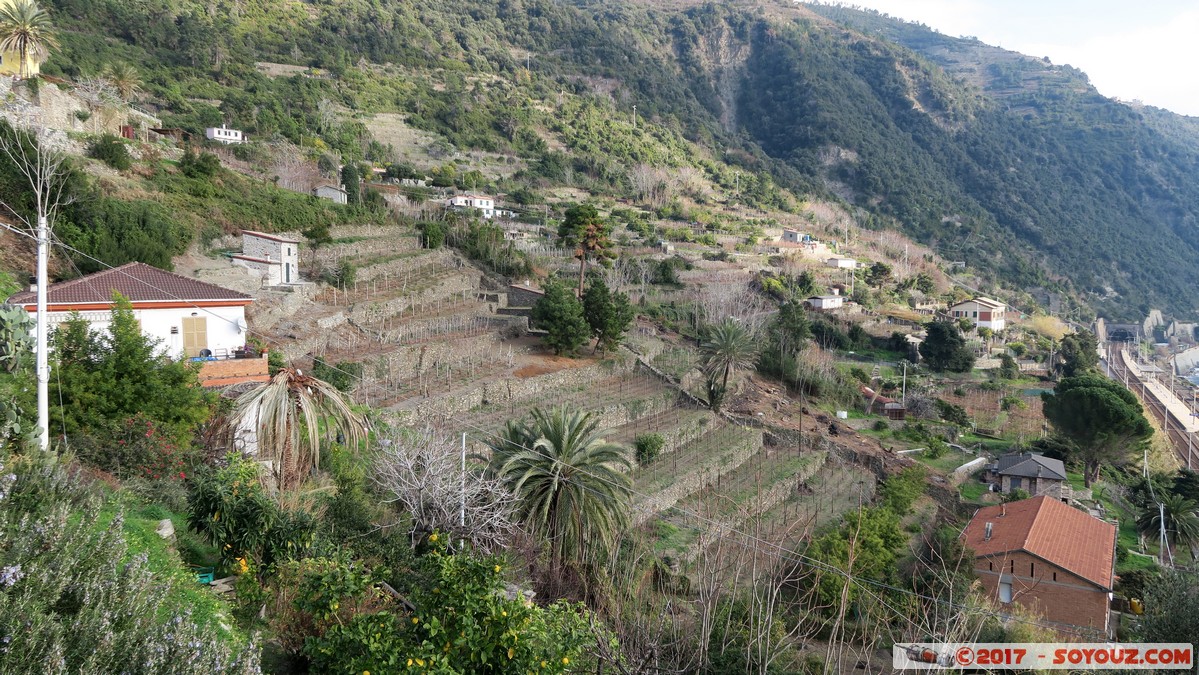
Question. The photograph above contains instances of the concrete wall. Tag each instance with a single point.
(287, 253)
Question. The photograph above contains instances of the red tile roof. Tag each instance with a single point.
(136, 281)
(1045, 527)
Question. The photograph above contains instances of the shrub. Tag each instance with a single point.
(343, 375)
(648, 447)
(954, 414)
(77, 596)
(1016, 495)
(901, 490)
(202, 165)
(880, 425)
(110, 150)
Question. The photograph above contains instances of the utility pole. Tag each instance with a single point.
(462, 504)
(634, 117)
(43, 361)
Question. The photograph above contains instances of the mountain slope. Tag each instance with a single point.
(1009, 163)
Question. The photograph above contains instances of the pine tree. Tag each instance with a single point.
(560, 314)
(609, 315)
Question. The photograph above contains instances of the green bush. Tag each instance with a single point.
(83, 589)
(202, 165)
(112, 151)
(648, 447)
(343, 376)
(880, 425)
(901, 490)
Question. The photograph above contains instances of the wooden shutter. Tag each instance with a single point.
(195, 335)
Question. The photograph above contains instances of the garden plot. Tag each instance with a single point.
(616, 398)
(1007, 412)
(761, 483)
(695, 466)
(678, 425)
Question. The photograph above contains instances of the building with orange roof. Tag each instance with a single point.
(1048, 557)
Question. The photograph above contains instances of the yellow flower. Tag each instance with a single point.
(565, 660)
(544, 664)
(433, 537)
(415, 620)
(504, 613)
(497, 568)
(511, 652)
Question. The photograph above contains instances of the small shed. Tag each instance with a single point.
(841, 263)
(334, 193)
(825, 303)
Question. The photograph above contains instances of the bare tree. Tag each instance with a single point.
(423, 471)
(101, 97)
(45, 171)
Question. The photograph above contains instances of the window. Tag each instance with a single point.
(1055, 576)
(1012, 566)
(1032, 569)
(990, 566)
(1005, 591)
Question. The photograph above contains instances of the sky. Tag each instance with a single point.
(1146, 50)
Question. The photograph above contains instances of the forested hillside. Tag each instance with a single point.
(1008, 163)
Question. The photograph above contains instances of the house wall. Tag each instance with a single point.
(791, 236)
(10, 63)
(1067, 599)
(221, 322)
(223, 135)
(272, 273)
(1034, 486)
(334, 195)
(286, 252)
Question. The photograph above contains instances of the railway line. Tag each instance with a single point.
(1179, 426)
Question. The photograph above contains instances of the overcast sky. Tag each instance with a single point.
(1146, 50)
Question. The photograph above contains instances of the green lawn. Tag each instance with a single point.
(972, 491)
(946, 463)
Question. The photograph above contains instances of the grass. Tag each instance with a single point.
(972, 491)
(946, 463)
(139, 529)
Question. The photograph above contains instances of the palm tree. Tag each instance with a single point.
(287, 415)
(1182, 520)
(727, 347)
(25, 29)
(124, 78)
(571, 485)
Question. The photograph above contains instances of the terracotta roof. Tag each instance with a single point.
(136, 281)
(985, 302)
(272, 237)
(1045, 527)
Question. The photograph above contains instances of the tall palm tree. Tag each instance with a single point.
(25, 29)
(726, 348)
(1182, 520)
(288, 415)
(571, 485)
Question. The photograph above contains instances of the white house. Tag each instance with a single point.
(825, 302)
(274, 256)
(792, 236)
(984, 312)
(224, 135)
(841, 263)
(334, 193)
(188, 317)
(484, 205)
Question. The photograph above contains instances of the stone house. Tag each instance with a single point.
(1035, 474)
(275, 257)
(1049, 558)
(334, 193)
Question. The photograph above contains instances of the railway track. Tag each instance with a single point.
(1186, 446)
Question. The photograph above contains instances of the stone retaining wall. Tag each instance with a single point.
(691, 482)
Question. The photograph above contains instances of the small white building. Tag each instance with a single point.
(825, 302)
(984, 312)
(483, 204)
(223, 134)
(334, 193)
(275, 257)
(189, 317)
(841, 263)
(791, 236)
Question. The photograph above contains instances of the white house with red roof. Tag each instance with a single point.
(984, 312)
(275, 256)
(188, 317)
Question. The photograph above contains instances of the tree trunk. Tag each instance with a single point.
(582, 272)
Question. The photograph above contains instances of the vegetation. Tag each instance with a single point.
(110, 150)
(608, 314)
(726, 348)
(560, 314)
(288, 416)
(1103, 420)
(945, 349)
(26, 29)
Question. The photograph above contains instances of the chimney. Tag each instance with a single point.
(33, 284)
(987, 533)
(836, 291)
